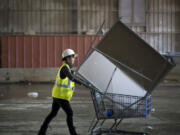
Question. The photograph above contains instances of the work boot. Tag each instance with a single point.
(76, 134)
(41, 133)
(42, 130)
(73, 131)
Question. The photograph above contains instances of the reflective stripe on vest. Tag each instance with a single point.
(65, 86)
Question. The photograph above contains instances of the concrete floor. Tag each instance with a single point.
(23, 115)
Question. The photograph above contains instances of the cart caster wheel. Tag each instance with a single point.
(98, 134)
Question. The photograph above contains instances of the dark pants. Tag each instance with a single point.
(57, 103)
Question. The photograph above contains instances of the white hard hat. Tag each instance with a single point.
(68, 52)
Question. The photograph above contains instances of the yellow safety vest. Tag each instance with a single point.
(63, 88)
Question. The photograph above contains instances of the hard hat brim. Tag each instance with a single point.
(75, 55)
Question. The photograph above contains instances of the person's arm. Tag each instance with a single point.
(65, 72)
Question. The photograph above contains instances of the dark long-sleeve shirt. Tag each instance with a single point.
(65, 72)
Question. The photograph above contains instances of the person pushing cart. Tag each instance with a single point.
(62, 92)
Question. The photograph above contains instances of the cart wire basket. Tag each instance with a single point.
(117, 107)
(111, 105)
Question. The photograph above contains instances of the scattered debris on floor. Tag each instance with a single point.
(149, 127)
(153, 110)
(33, 94)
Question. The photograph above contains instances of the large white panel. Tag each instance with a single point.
(98, 70)
(123, 84)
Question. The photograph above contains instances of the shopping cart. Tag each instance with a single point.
(123, 70)
(117, 107)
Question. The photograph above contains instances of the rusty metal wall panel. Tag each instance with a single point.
(58, 50)
(41, 51)
(50, 52)
(20, 52)
(27, 52)
(4, 52)
(35, 52)
(12, 52)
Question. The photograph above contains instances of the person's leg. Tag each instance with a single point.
(52, 114)
(69, 112)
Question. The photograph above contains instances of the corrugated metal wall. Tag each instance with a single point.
(54, 17)
(132, 12)
(92, 13)
(41, 51)
(162, 30)
(51, 17)
(36, 16)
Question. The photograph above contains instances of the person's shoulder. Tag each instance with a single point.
(64, 67)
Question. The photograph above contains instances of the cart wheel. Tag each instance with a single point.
(98, 134)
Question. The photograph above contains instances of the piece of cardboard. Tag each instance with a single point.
(140, 67)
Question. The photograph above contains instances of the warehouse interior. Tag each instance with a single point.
(33, 36)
